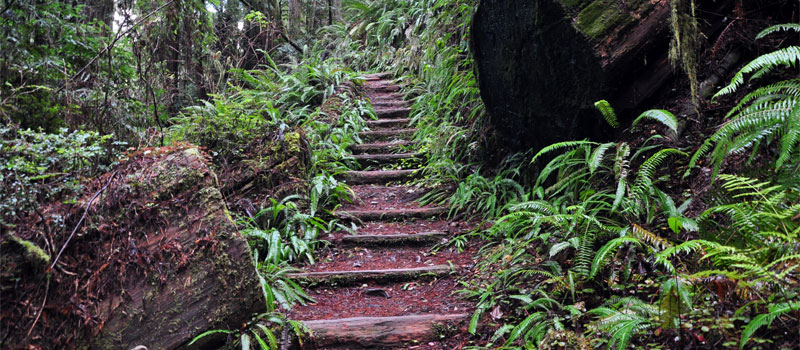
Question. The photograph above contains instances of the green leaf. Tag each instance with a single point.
(523, 326)
(473, 323)
(608, 113)
(662, 116)
(206, 333)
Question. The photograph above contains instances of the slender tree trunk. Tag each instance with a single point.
(336, 9)
(295, 16)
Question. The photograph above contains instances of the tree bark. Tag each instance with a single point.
(542, 64)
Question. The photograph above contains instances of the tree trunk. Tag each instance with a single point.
(542, 64)
(295, 17)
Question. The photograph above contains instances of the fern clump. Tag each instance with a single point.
(768, 114)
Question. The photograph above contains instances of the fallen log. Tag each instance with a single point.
(156, 262)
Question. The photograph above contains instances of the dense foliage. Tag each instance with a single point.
(605, 246)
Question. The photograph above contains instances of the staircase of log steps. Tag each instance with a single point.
(383, 288)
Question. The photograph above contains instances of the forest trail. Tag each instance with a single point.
(383, 287)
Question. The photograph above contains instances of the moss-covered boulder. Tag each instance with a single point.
(543, 63)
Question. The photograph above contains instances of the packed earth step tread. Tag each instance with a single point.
(392, 113)
(385, 97)
(356, 177)
(388, 134)
(385, 158)
(358, 276)
(382, 88)
(392, 214)
(377, 76)
(390, 103)
(388, 122)
(380, 147)
(393, 239)
(377, 332)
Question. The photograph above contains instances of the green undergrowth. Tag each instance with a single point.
(607, 246)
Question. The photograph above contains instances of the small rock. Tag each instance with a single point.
(357, 264)
(453, 224)
(377, 292)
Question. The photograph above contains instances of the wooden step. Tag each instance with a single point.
(392, 113)
(378, 176)
(379, 147)
(389, 103)
(381, 88)
(378, 98)
(379, 332)
(388, 134)
(387, 158)
(358, 276)
(377, 76)
(388, 122)
(399, 239)
(392, 214)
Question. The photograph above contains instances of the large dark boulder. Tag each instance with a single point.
(542, 64)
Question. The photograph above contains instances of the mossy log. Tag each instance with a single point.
(543, 63)
(213, 285)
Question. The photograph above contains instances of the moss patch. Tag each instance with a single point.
(32, 253)
(601, 16)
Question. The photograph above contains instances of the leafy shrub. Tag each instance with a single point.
(40, 167)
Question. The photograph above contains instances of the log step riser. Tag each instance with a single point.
(381, 332)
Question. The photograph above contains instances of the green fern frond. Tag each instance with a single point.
(785, 27)
(662, 116)
(788, 56)
(650, 238)
(791, 136)
(675, 297)
(596, 157)
(608, 113)
(663, 258)
(609, 248)
(781, 89)
(648, 169)
(632, 317)
(775, 311)
(561, 145)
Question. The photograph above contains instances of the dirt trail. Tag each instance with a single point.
(384, 287)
